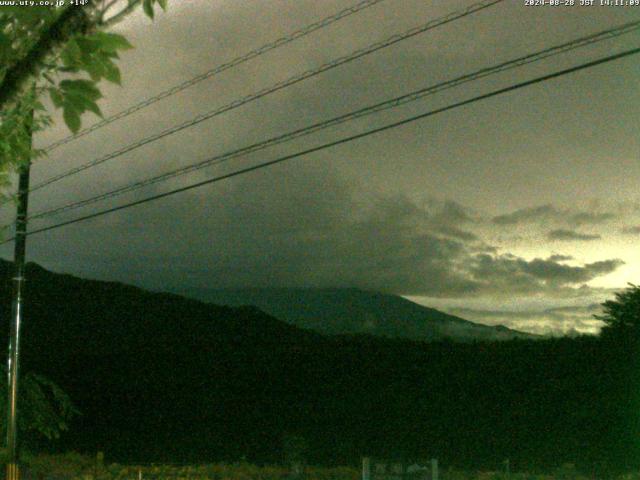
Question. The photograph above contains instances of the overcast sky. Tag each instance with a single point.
(522, 209)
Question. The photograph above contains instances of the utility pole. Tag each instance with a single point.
(19, 254)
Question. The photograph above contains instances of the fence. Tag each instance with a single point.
(376, 469)
(76, 467)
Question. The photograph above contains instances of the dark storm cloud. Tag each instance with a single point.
(523, 215)
(391, 244)
(349, 216)
(454, 212)
(308, 227)
(457, 233)
(589, 218)
(635, 230)
(555, 272)
(538, 275)
(485, 248)
(446, 219)
(562, 234)
(560, 258)
(548, 212)
(604, 267)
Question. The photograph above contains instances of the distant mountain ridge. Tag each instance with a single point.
(337, 311)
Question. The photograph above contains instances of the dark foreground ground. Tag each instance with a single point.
(74, 466)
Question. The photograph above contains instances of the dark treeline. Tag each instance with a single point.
(162, 378)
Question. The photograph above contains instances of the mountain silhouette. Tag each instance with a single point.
(337, 311)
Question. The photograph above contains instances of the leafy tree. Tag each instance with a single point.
(63, 52)
(621, 350)
(622, 315)
(45, 409)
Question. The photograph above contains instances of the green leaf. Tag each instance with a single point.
(56, 97)
(96, 70)
(111, 42)
(70, 55)
(93, 107)
(80, 103)
(78, 96)
(87, 58)
(147, 6)
(72, 119)
(163, 4)
(85, 88)
(112, 73)
(88, 45)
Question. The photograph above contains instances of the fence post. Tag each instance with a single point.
(366, 468)
(434, 469)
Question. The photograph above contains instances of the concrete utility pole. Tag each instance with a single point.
(434, 469)
(366, 468)
(19, 254)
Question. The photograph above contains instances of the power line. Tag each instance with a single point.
(392, 103)
(276, 87)
(219, 69)
(337, 142)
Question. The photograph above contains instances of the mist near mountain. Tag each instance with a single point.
(338, 311)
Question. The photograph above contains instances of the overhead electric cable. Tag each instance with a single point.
(274, 88)
(337, 142)
(395, 102)
(218, 69)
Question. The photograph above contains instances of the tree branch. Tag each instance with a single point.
(120, 15)
(105, 8)
(74, 19)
